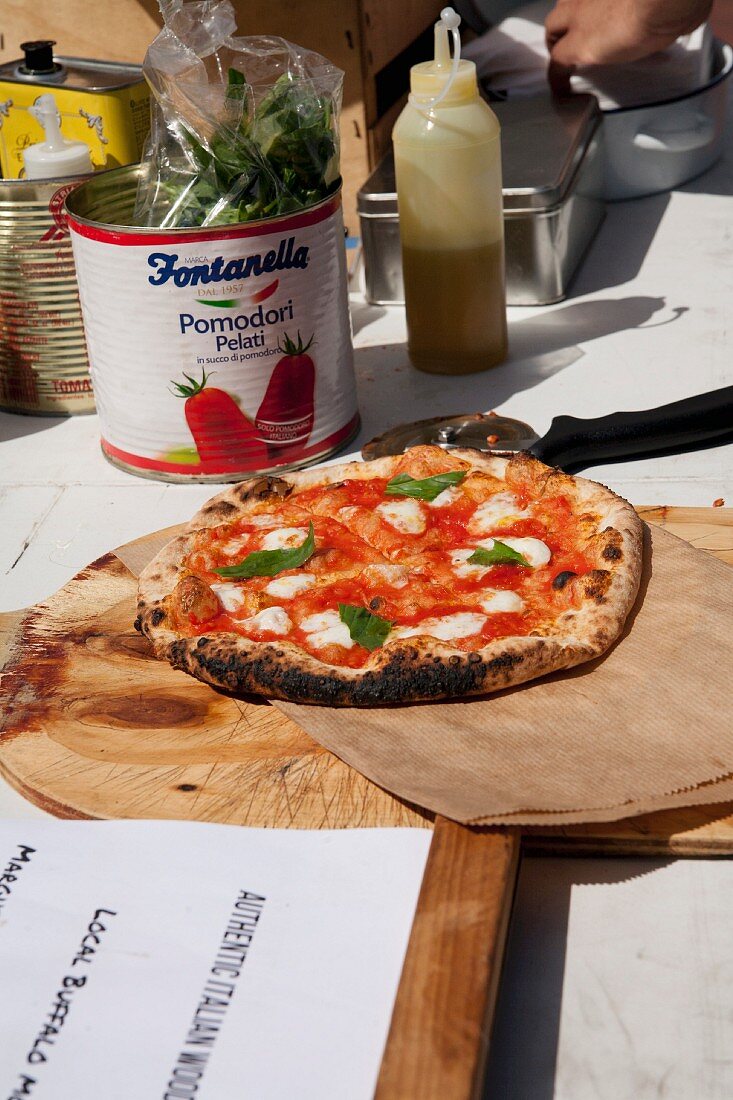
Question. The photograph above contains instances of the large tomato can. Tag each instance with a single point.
(214, 352)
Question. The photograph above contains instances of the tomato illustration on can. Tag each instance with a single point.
(285, 416)
(225, 438)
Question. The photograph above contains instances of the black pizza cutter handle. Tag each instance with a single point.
(697, 421)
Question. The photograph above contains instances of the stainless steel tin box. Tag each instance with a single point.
(551, 162)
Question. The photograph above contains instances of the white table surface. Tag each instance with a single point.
(621, 988)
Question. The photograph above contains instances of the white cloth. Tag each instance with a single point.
(512, 58)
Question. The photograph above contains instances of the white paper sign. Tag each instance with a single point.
(172, 960)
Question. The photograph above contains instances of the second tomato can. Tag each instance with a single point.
(214, 352)
(43, 357)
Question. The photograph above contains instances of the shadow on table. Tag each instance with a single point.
(392, 392)
(616, 255)
(574, 323)
(618, 250)
(16, 425)
(718, 180)
(363, 314)
(524, 1045)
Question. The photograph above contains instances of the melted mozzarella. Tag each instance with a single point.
(265, 520)
(335, 635)
(321, 620)
(325, 628)
(231, 596)
(495, 600)
(535, 551)
(404, 515)
(273, 619)
(395, 576)
(447, 627)
(501, 510)
(443, 499)
(463, 568)
(235, 547)
(284, 538)
(285, 588)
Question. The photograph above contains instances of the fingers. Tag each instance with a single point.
(576, 32)
(558, 77)
(572, 49)
(611, 32)
(556, 25)
(566, 38)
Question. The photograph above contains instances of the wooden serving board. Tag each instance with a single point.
(94, 727)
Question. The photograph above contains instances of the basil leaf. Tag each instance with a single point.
(365, 629)
(499, 554)
(268, 563)
(279, 156)
(427, 488)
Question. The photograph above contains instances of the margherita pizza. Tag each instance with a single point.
(418, 576)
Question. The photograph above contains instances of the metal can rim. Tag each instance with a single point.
(77, 62)
(109, 230)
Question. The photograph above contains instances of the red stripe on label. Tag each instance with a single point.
(143, 463)
(108, 235)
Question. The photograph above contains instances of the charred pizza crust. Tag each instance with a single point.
(418, 668)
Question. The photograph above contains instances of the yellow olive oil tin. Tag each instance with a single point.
(104, 104)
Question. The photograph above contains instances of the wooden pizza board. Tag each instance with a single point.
(93, 727)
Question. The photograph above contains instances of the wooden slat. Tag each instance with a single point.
(441, 1024)
(380, 134)
(390, 28)
(693, 831)
(123, 34)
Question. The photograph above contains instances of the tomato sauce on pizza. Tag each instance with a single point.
(405, 559)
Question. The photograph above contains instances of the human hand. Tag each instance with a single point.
(607, 32)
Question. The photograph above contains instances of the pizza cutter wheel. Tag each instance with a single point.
(572, 443)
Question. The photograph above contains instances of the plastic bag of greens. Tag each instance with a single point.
(242, 128)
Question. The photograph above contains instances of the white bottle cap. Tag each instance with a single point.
(444, 79)
(55, 157)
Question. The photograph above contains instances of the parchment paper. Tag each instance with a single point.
(646, 727)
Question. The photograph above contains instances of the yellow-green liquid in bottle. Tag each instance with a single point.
(448, 169)
(456, 318)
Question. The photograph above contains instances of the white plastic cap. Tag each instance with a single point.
(72, 161)
(450, 19)
(54, 157)
(444, 79)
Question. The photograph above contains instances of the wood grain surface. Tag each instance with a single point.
(94, 727)
(441, 1024)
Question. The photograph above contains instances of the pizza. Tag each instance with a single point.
(413, 577)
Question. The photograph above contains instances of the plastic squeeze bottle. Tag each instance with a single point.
(448, 167)
(54, 157)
